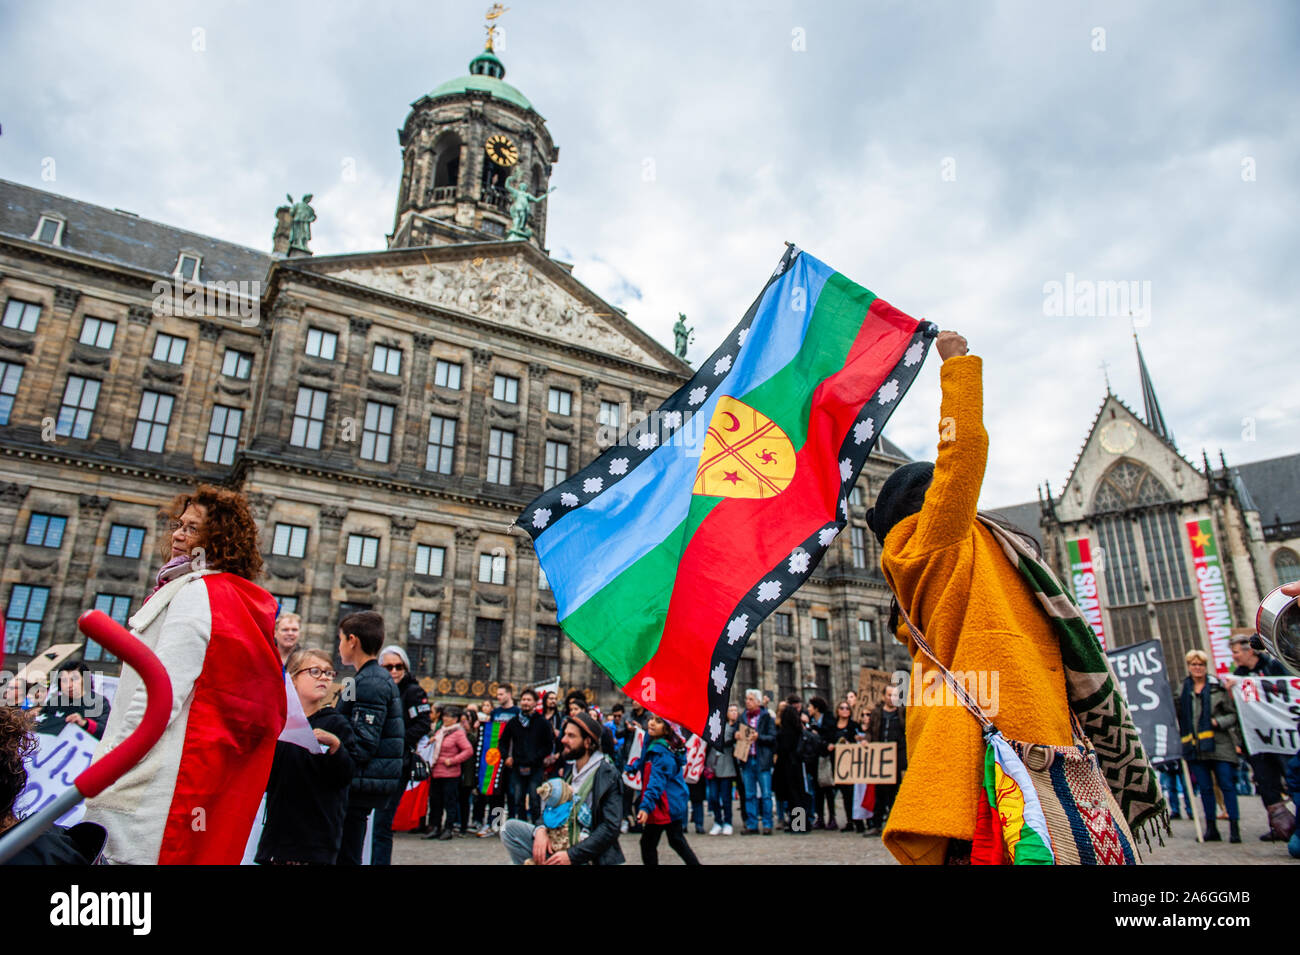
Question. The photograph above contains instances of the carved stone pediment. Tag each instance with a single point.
(496, 600)
(441, 399)
(85, 355)
(359, 581)
(119, 568)
(503, 413)
(507, 291)
(231, 389)
(19, 343)
(316, 368)
(158, 371)
(286, 568)
(391, 385)
(424, 590)
(35, 562)
(559, 425)
(545, 605)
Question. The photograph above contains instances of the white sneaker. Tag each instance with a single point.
(716, 830)
(726, 830)
(623, 828)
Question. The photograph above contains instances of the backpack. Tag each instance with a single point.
(810, 744)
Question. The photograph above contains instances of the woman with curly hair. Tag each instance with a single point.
(193, 798)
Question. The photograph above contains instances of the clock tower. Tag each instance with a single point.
(460, 144)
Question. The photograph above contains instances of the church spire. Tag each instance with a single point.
(1154, 418)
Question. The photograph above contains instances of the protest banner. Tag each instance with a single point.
(695, 752)
(1144, 680)
(1084, 581)
(52, 769)
(871, 683)
(1209, 583)
(865, 763)
(633, 780)
(1269, 709)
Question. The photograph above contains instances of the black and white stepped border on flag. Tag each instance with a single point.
(767, 593)
(640, 441)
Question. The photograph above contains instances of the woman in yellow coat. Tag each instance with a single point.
(981, 619)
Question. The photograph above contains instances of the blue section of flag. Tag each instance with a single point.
(622, 523)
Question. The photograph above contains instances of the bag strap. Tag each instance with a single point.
(971, 706)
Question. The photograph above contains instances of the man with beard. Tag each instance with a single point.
(594, 814)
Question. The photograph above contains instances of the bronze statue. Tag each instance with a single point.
(520, 200)
(300, 230)
(683, 334)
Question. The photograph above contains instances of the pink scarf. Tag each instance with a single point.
(176, 567)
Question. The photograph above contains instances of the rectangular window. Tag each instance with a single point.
(546, 655)
(48, 230)
(97, 332)
(864, 631)
(169, 348)
(610, 414)
(746, 677)
(290, 540)
(377, 432)
(422, 642)
(116, 606)
(855, 496)
(492, 568)
(428, 560)
(23, 618)
(78, 407)
(46, 530)
(859, 548)
(486, 659)
(288, 603)
(542, 582)
(505, 388)
(557, 464)
(785, 679)
(781, 624)
(125, 541)
(321, 344)
(10, 376)
(363, 550)
(309, 418)
(386, 360)
(822, 676)
(446, 374)
(151, 422)
(236, 364)
(501, 456)
(21, 315)
(223, 434)
(442, 445)
(821, 629)
(187, 267)
(559, 401)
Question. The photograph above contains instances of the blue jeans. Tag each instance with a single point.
(1173, 786)
(381, 851)
(758, 794)
(522, 785)
(1226, 774)
(720, 800)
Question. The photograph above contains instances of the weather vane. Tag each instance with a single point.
(494, 12)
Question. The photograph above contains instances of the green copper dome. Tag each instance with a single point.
(486, 75)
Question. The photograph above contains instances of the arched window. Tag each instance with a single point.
(446, 165)
(1287, 566)
(1128, 484)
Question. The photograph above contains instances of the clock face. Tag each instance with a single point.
(501, 150)
(1118, 436)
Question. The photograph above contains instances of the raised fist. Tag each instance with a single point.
(949, 344)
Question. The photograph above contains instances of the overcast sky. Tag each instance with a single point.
(952, 157)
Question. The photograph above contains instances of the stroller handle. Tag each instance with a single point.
(104, 630)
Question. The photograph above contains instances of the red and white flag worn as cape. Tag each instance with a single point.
(193, 798)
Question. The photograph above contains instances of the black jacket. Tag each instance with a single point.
(601, 846)
(379, 741)
(527, 745)
(895, 732)
(307, 797)
(55, 713)
(415, 713)
(1264, 666)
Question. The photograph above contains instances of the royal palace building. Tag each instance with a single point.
(388, 414)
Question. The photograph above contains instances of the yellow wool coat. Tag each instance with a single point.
(980, 619)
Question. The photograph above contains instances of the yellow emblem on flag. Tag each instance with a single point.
(745, 454)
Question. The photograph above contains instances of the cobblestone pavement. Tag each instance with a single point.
(836, 848)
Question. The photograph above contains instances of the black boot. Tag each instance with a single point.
(1212, 832)
(1234, 834)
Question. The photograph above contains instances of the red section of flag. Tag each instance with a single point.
(412, 807)
(742, 539)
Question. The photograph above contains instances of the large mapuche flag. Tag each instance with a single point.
(666, 553)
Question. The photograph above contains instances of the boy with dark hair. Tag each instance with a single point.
(73, 699)
(371, 703)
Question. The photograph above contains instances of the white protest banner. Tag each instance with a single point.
(695, 752)
(1269, 709)
(52, 770)
(630, 779)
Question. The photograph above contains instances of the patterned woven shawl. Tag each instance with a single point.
(1093, 693)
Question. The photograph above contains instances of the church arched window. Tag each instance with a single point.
(1128, 484)
(1287, 566)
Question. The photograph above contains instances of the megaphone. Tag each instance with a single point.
(1277, 628)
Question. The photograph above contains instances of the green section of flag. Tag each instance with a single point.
(1072, 547)
(620, 626)
(787, 396)
(1211, 548)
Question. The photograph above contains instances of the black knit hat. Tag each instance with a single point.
(902, 494)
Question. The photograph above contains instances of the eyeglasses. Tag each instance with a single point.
(318, 672)
(189, 530)
(393, 666)
(1196, 663)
